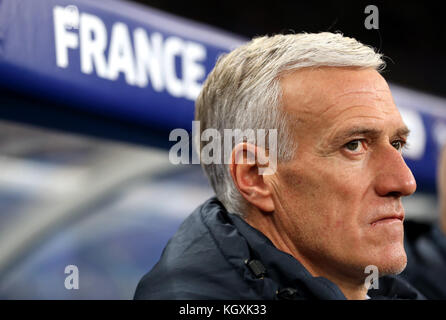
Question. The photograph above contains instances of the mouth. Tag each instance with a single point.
(389, 219)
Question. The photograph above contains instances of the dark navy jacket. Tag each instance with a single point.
(217, 255)
(426, 258)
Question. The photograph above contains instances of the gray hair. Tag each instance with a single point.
(243, 92)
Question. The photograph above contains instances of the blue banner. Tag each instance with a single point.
(112, 57)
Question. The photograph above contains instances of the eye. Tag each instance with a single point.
(398, 144)
(354, 146)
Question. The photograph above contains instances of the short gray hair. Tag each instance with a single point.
(243, 92)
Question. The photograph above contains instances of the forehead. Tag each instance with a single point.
(333, 96)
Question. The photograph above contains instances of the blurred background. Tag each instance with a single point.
(90, 90)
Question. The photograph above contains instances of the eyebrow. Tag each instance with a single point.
(340, 138)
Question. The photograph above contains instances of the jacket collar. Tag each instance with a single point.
(284, 268)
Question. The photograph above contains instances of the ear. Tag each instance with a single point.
(248, 178)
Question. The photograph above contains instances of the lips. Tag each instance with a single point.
(388, 218)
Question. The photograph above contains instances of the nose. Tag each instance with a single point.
(394, 177)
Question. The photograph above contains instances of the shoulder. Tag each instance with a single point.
(203, 260)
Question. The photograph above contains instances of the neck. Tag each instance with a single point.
(352, 287)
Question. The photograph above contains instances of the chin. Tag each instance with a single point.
(392, 261)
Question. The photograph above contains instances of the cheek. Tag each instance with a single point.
(339, 193)
(329, 202)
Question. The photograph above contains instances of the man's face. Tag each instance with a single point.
(339, 199)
